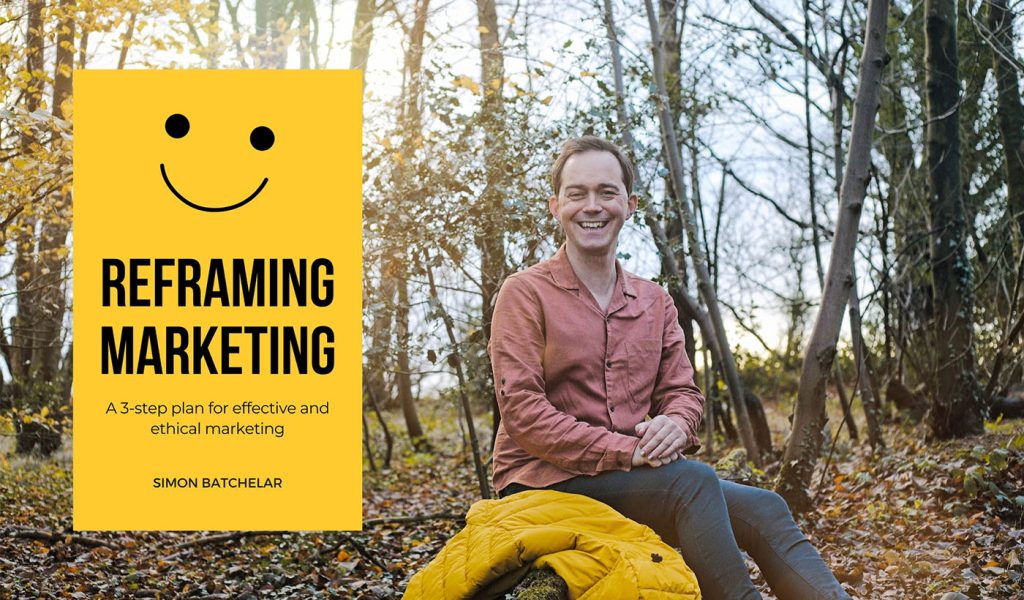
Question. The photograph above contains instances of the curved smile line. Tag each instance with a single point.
(163, 171)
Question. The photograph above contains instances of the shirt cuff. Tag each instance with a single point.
(619, 457)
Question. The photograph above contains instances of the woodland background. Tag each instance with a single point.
(801, 166)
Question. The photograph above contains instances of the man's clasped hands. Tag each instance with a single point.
(662, 440)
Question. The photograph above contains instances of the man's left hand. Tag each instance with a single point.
(661, 437)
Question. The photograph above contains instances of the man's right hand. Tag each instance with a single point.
(641, 460)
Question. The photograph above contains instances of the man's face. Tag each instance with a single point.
(592, 203)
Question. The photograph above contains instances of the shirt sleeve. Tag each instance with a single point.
(530, 420)
(675, 393)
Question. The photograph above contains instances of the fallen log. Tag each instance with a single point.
(54, 537)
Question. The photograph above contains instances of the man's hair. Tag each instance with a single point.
(590, 143)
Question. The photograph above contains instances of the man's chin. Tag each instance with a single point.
(593, 249)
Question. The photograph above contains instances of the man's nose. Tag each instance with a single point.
(592, 204)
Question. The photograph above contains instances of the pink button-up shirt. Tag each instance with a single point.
(572, 381)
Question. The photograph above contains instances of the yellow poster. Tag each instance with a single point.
(217, 300)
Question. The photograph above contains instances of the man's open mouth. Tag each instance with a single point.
(592, 224)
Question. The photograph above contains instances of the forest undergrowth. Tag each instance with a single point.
(912, 522)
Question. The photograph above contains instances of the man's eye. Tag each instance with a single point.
(577, 196)
(610, 193)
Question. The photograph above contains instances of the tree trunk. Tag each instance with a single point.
(456, 358)
(956, 408)
(1009, 111)
(867, 398)
(755, 410)
(126, 40)
(67, 371)
(380, 334)
(904, 207)
(845, 401)
(388, 440)
(23, 323)
(366, 443)
(410, 124)
(307, 13)
(37, 327)
(382, 306)
(403, 378)
(758, 420)
(837, 95)
(671, 147)
(860, 359)
(672, 26)
(212, 33)
(804, 445)
(362, 35)
(669, 264)
(373, 373)
(709, 405)
(53, 236)
(490, 239)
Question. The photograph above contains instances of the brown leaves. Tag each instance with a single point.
(899, 525)
(904, 525)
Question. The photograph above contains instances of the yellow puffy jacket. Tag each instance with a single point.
(598, 552)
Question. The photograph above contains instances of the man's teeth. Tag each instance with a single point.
(592, 224)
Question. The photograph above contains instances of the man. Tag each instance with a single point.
(582, 353)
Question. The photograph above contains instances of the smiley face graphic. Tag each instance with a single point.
(261, 139)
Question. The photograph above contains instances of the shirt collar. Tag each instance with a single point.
(564, 276)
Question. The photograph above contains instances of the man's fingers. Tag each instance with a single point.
(651, 445)
(658, 443)
(668, 445)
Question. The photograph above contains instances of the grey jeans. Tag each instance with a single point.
(710, 520)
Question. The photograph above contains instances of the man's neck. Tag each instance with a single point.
(596, 271)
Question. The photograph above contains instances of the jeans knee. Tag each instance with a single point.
(771, 507)
(692, 474)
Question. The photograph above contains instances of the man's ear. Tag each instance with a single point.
(553, 206)
(631, 204)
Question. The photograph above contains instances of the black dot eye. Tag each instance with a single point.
(261, 138)
(176, 126)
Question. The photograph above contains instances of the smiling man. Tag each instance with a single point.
(583, 352)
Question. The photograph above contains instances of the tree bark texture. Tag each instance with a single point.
(24, 323)
(490, 209)
(491, 238)
(956, 408)
(1009, 111)
(671, 28)
(53, 234)
(804, 445)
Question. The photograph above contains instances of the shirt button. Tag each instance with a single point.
(611, 409)
(608, 363)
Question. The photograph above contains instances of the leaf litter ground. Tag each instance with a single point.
(913, 522)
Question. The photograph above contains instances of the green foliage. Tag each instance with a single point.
(993, 476)
(39, 413)
(770, 376)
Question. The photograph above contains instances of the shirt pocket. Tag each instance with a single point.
(643, 359)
